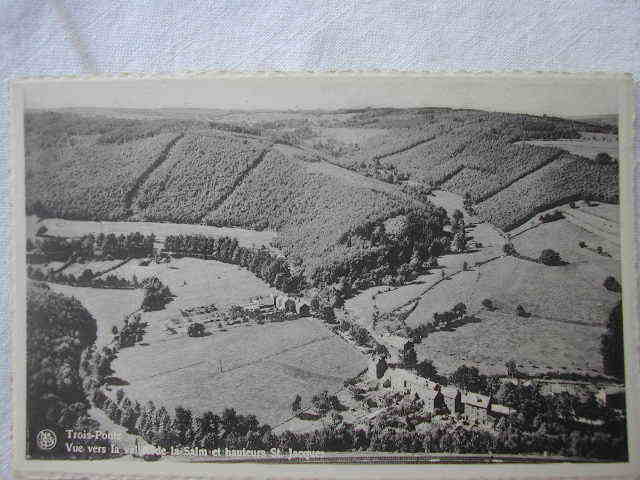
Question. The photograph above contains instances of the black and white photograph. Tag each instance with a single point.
(325, 270)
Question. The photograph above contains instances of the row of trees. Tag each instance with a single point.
(612, 344)
(265, 265)
(90, 246)
(230, 430)
(86, 279)
(184, 429)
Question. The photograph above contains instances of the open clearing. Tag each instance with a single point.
(263, 368)
(589, 146)
(536, 345)
(76, 228)
(107, 306)
(200, 282)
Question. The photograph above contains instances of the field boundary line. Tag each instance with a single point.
(142, 178)
(110, 269)
(403, 149)
(526, 173)
(239, 180)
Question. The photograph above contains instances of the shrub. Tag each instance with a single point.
(195, 330)
(427, 369)
(509, 249)
(488, 304)
(550, 257)
(156, 296)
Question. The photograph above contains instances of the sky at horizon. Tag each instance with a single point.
(551, 94)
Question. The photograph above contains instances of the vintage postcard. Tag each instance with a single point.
(330, 275)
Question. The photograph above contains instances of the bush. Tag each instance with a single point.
(488, 304)
(550, 257)
(509, 249)
(156, 296)
(195, 330)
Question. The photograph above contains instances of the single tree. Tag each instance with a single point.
(296, 405)
(550, 257)
(427, 369)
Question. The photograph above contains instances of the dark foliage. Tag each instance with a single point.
(550, 257)
(612, 344)
(58, 330)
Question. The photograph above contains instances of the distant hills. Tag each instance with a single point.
(324, 180)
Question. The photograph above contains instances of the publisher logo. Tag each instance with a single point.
(46, 439)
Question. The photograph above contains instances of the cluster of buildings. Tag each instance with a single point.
(438, 399)
(285, 303)
(478, 408)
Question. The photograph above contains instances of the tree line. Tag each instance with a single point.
(90, 246)
(59, 329)
(260, 261)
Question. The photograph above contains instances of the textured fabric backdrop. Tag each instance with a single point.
(61, 37)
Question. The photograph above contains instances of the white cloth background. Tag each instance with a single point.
(62, 37)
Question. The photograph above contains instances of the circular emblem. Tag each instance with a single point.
(46, 439)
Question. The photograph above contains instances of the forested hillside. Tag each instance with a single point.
(266, 171)
(58, 330)
(201, 170)
(326, 223)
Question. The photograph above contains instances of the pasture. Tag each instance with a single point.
(76, 228)
(569, 293)
(200, 282)
(254, 369)
(107, 306)
(536, 345)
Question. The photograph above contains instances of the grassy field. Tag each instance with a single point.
(535, 344)
(201, 282)
(107, 306)
(568, 304)
(263, 368)
(589, 146)
(71, 228)
(571, 293)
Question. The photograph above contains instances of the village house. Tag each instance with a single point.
(438, 399)
(477, 408)
(299, 305)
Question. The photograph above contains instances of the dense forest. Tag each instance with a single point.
(235, 173)
(59, 329)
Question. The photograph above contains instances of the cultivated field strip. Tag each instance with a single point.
(215, 363)
(596, 225)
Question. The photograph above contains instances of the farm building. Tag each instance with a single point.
(299, 305)
(476, 407)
